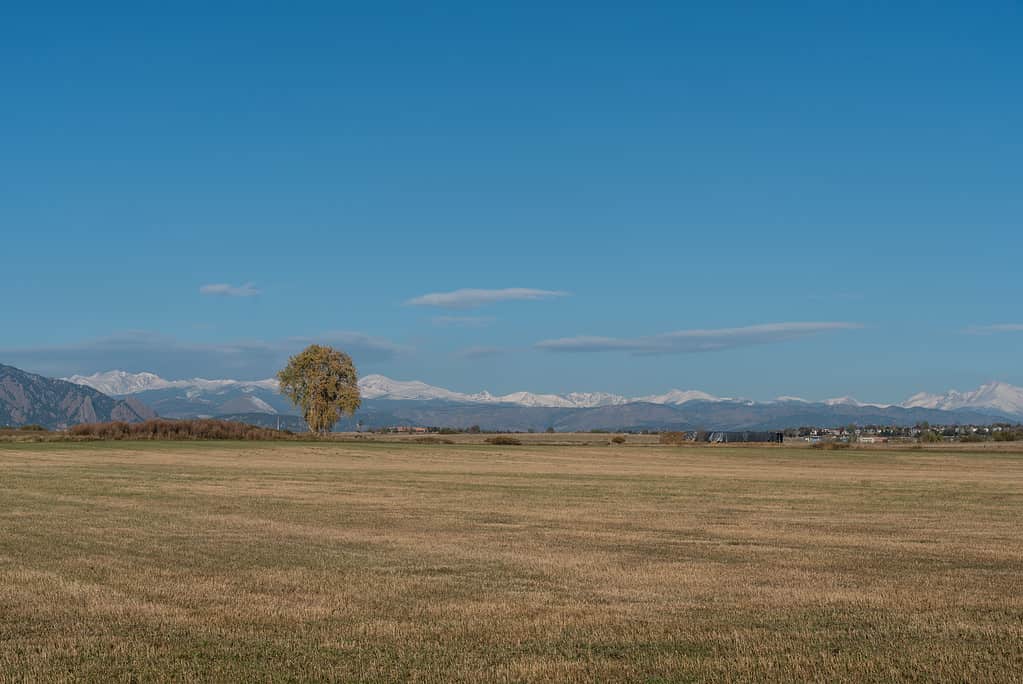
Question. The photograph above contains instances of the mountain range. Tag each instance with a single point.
(119, 383)
(26, 398)
(389, 402)
(998, 397)
(119, 395)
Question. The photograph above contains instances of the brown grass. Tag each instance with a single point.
(675, 438)
(386, 562)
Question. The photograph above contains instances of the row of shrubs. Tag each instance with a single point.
(503, 440)
(32, 427)
(831, 446)
(433, 440)
(178, 430)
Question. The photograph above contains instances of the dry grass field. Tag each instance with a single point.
(421, 562)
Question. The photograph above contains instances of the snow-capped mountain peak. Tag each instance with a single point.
(992, 396)
(590, 399)
(853, 401)
(678, 397)
(120, 383)
(843, 401)
(382, 387)
(378, 387)
(997, 397)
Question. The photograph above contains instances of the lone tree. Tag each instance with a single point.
(322, 382)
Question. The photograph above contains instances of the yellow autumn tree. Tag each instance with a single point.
(323, 383)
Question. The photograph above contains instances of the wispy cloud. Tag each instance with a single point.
(480, 352)
(992, 329)
(695, 341)
(356, 343)
(226, 290)
(173, 358)
(473, 298)
(462, 321)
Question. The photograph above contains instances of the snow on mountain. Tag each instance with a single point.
(928, 400)
(992, 396)
(530, 399)
(851, 401)
(120, 383)
(593, 399)
(246, 404)
(213, 385)
(382, 387)
(677, 397)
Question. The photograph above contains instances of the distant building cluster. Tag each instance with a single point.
(408, 429)
(895, 434)
(851, 434)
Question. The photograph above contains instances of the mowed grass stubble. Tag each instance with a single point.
(385, 562)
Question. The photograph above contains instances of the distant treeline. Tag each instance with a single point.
(178, 430)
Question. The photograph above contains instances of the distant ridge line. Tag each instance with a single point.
(997, 397)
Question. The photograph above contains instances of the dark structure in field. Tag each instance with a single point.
(734, 436)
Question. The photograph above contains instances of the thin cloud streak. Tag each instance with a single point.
(475, 298)
(694, 341)
(227, 290)
(173, 358)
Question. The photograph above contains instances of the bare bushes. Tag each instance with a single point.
(831, 446)
(504, 440)
(177, 430)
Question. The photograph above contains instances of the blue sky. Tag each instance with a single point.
(804, 199)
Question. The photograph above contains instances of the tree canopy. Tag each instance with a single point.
(323, 383)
